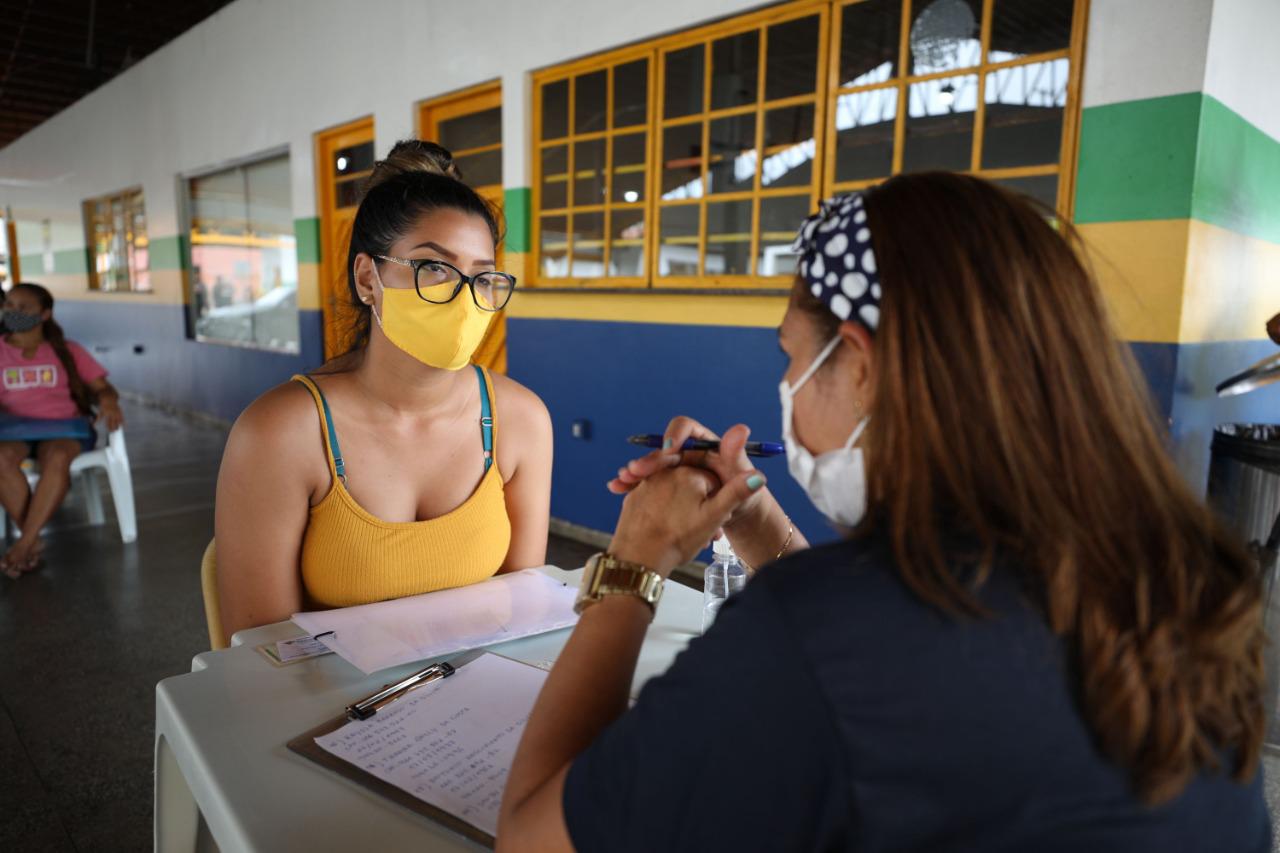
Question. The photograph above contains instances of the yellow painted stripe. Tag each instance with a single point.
(649, 307)
(1140, 267)
(309, 287)
(1232, 285)
(166, 289)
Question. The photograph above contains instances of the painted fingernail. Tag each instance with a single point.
(754, 482)
(666, 444)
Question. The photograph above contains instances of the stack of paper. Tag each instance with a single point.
(388, 633)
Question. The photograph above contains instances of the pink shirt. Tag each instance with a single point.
(37, 387)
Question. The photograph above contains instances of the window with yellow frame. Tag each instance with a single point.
(731, 132)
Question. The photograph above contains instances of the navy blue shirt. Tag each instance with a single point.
(829, 708)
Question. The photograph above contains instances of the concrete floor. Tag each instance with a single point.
(84, 640)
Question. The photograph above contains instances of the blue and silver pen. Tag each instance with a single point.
(754, 448)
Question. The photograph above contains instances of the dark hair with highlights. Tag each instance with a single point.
(1008, 413)
(416, 177)
(84, 398)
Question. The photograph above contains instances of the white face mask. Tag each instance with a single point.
(836, 481)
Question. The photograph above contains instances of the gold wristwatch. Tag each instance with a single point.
(607, 575)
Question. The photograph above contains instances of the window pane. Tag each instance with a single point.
(555, 178)
(244, 257)
(728, 249)
(589, 102)
(1021, 27)
(353, 160)
(554, 240)
(940, 124)
(864, 134)
(682, 161)
(588, 245)
(791, 64)
(678, 253)
(472, 130)
(869, 34)
(626, 248)
(733, 160)
(1042, 188)
(790, 165)
(273, 264)
(347, 193)
(682, 83)
(780, 218)
(628, 167)
(588, 172)
(735, 70)
(555, 110)
(481, 170)
(630, 93)
(1024, 114)
(944, 35)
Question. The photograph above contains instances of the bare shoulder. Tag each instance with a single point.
(279, 423)
(518, 407)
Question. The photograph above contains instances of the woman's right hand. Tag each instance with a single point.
(730, 461)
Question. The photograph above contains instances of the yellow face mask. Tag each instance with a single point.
(444, 336)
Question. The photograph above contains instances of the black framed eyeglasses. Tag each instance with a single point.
(439, 282)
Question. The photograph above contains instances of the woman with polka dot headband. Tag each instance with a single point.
(1031, 637)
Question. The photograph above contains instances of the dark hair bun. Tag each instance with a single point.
(410, 156)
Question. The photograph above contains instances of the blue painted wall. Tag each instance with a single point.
(628, 378)
(212, 378)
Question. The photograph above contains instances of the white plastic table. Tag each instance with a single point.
(221, 731)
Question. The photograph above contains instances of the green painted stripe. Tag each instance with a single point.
(1178, 157)
(1138, 159)
(65, 262)
(307, 230)
(515, 206)
(167, 253)
(1237, 174)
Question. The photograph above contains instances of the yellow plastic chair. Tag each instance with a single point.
(209, 585)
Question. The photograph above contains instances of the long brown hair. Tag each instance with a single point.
(1007, 412)
(80, 393)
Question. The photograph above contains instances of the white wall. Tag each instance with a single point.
(1243, 69)
(1146, 48)
(263, 73)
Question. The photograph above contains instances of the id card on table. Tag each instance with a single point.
(298, 649)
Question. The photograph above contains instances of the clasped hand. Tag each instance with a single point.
(677, 501)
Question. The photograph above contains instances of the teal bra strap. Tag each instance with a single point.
(486, 419)
(333, 436)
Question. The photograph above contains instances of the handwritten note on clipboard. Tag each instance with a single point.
(444, 750)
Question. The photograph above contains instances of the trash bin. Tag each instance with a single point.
(1244, 488)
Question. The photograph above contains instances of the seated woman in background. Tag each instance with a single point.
(46, 378)
(1034, 638)
(399, 468)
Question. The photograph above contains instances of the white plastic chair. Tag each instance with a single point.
(113, 458)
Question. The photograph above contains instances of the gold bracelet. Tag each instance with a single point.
(791, 532)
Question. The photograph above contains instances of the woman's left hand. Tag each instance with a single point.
(667, 519)
(111, 415)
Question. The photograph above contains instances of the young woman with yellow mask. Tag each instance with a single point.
(399, 468)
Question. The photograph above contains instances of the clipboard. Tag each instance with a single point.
(306, 746)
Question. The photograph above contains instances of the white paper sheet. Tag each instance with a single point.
(388, 633)
(451, 742)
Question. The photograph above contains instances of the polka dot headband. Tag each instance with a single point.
(837, 262)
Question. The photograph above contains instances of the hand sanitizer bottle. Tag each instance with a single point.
(723, 578)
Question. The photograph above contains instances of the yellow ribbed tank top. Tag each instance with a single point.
(350, 556)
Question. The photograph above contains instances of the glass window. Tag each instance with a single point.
(244, 258)
(116, 230)
(691, 160)
(596, 169)
(1001, 116)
